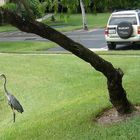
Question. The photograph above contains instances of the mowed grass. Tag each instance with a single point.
(7, 28)
(25, 47)
(61, 96)
(72, 23)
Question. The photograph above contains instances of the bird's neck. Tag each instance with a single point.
(6, 92)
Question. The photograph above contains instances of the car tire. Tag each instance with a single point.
(111, 46)
(124, 30)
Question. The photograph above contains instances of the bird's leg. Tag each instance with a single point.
(14, 115)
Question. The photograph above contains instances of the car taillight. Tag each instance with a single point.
(138, 29)
(106, 31)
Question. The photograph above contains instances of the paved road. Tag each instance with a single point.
(93, 39)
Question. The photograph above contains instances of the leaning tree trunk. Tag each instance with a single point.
(83, 15)
(114, 76)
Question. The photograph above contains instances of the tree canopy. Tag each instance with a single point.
(92, 5)
(38, 6)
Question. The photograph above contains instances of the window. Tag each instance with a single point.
(117, 20)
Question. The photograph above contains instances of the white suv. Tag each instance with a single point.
(123, 27)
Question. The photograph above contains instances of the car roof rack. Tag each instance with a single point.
(119, 10)
(137, 10)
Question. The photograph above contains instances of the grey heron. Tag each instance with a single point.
(12, 101)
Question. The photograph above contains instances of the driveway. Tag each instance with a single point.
(92, 39)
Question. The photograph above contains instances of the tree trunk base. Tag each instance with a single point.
(118, 94)
(85, 28)
(110, 116)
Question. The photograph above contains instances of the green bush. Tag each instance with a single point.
(11, 6)
(36, 7)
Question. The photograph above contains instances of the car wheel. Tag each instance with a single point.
(124, 30)
(111, 46)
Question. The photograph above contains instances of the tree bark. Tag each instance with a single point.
(83, 15)
(114, 76)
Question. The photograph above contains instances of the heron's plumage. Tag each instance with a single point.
(15, 103)
(12, 101)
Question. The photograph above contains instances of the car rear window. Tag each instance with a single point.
(116, 20)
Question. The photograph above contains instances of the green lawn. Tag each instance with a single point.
(93, 20)
(72, 23)
(61, 96)
(75, 21)
(26, 47)
(7, 28)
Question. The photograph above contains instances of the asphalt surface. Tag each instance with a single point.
(92, 39)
